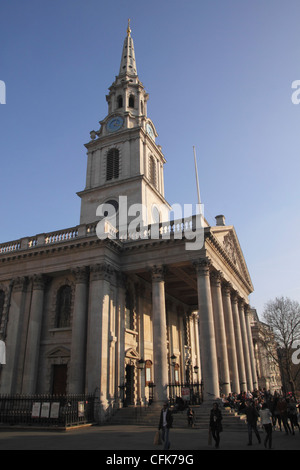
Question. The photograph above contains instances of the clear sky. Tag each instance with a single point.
(219, 75)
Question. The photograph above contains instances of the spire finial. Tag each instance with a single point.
(128, 28)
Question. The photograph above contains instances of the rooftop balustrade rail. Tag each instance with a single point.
(175, 229)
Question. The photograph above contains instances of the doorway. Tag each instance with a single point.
(129, 385)
(59, 383)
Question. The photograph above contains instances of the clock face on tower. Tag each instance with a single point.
(114, 124)
(150, 130)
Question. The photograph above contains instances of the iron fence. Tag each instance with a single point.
(46, 410)
(185, 393)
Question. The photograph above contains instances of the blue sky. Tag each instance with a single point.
(219, 76)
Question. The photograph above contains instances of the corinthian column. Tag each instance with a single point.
(207, 339)
(160, 351)
(220, 331)
(231, 345)
(238, 340)
(9, 372)
(97, 370)
(34, 335)
(251, 348)
(245, 345)
(79, 326)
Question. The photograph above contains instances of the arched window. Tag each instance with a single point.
(63, 307)
(2, 300)
(131, 101)
(129, 312)
(152, 171)
(120, 101)
(112, 164)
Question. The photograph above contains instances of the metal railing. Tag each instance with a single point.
(185, 393)
(46, 410)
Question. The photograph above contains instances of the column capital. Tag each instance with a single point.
(202, 266)
(101, 271)
(39, 281)
(234, 296)
(158, 273)
(227, 288)
(247, 310)
(216, 278)
(81, 274)
(19, 284)
(121, 279)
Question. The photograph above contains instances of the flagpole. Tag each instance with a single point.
(197, 180)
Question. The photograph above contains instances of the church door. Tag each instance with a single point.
(129, 385)
(59, 386)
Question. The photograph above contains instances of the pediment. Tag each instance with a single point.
(132, 354)
(228, 240)
(59, 351)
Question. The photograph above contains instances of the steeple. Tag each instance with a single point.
(128, 65)
(123, 157)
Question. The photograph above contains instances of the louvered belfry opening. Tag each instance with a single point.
(112, 164)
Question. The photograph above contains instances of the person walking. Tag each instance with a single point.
(165, 423)
(282, 408)
(267, 423)
(191, 417)
(252, 417)
(215, 423)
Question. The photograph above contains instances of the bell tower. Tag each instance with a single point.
(123, 158)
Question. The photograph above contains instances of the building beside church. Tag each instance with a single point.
(84, 308)
(268, 370)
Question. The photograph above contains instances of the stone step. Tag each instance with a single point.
(148, 416)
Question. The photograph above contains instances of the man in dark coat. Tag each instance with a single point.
(165, 423)
(215, 423)
(252, 417)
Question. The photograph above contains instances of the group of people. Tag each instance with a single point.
(271, 409)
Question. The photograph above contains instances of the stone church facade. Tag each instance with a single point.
(123, 315)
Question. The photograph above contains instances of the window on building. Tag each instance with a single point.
(129, 312)
(120, 101)
(112, 164)
(63, 307)
(152, 171)
(131, 101)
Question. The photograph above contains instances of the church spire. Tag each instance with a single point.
(128, 65)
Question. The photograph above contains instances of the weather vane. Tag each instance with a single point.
(128, 28)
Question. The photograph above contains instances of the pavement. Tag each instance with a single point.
(129, 438)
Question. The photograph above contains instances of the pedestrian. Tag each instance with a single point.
(252, 417)
(266, 421)
(165, 423)
(191, 417)
(292, 414)
(282, 408)
(215, 423)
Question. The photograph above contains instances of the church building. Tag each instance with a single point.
(121, 306)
